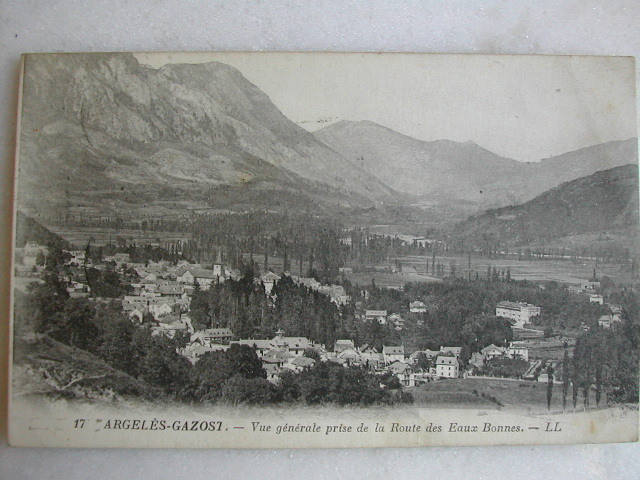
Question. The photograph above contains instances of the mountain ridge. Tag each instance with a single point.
(106, 123)
(436, 168)
(605, 202)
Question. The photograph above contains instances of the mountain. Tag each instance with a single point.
(464, 172)
(602, 206)
(103, 134)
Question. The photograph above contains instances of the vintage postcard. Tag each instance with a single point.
(267, 250)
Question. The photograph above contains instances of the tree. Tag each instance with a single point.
(549, 385)
(253, 391)
(312, 353)
(566, 376)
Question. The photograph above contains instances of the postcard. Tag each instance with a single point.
(296, 250)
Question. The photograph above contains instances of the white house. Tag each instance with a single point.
(596, 298)
(269, 279)
(520, 313)
(392, 354)
(404, 373)
(590, 286)
(518, 350)
(397, 320)
(379, 316)
(447, 367)
(417, 307)
(492, 351)
(455, 351)
(342, 345)
(298, 364)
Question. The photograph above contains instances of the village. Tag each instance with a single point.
(160, 293)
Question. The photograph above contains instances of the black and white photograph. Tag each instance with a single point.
(325, 250)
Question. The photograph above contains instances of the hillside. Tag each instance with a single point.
(28, 230)
(43, 366)
(103, 134)
(464, 172)
(605, 203)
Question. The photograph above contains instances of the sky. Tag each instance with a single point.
(521, 107)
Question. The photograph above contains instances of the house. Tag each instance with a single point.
(590, 286)
(379, 316)
(310, 283)
(170, 327)
(455, 351)
(261, 346)
(351, 355)
(30, 253)
(194, 351)
(596, 298)
(196, 276)
(217, 335)
(492, 351)
(342, 345)
(158, 309)
(121, 258)
(520, 313)
(345, 270)
(518, 350)
(294, 345)
(447, 367)
(368, 349)
(269, 279)
(607, 321)
(404, 373)
(397, 320)
(171, 290)
(339, 361)
(273, 372)
(417, 307)
(277, 356)
(203, 278)
(424, 354)
(299, 364)
(392, 354)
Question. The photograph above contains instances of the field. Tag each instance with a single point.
(79, 236)
(564, 271)
(488, 393)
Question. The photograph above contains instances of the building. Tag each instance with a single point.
(196, 276)
(607, 321)
(404, 373)
(217, 335)
(590, 286)
(260, 346)
(30, 253)
(455, 351)
(492, 351)
(447, 367)
(417, 307)
(269, 279)
(379, 316)
(392, 354)
(397, 320)
(518, 350)
(519, 313)
(596, 298)
(342, 345)
(298, 364)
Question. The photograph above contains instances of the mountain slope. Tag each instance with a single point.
(602, 203)
(28, 230)
(464, 171)
(102, 132)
